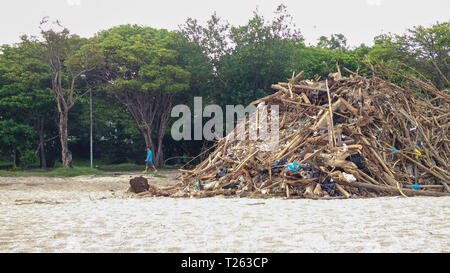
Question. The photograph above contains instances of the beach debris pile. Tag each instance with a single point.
(341, 137)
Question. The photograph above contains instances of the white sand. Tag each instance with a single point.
(97, 217)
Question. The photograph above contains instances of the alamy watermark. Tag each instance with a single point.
(262, 126)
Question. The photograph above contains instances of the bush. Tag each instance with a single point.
(28, 159)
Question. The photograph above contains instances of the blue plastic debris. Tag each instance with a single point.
(394, 150)
(416, 186)
(293, 166)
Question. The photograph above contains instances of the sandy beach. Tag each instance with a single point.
(95, 214)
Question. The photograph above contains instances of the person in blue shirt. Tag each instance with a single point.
(149, 161)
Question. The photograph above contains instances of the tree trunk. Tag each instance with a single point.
(159, 157)
(14, 158)
(63, 137)
(161, 124)
(149, 110)
(42, 145)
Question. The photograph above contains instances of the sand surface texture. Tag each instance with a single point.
(94, 214)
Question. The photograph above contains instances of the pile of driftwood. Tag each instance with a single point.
(338, 138)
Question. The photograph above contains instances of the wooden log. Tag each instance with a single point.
(318, 190)
(245, 161)
(349, 107)
(342, 191)
(393, 189)
(295, 79)
(320, 124)
(377, 156)
(367, 177)
(290, 91)
(288, 193)
(349, 147)
(447, 188)
(301, 181)
(424, 168)
(331, 135)
(305, 98)
(300, 86)
(309, 190)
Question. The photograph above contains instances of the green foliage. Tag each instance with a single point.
(192, 58)
(26, 101)
(335, 42)
(115, 135)
(15, 135)
(246, 59)
(29, 158)
(15, 138)
(142, 59)
(420, 50)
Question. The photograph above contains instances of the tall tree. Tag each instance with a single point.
(68, 56)
(247, 59)
(143, 71)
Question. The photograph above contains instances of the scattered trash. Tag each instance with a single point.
(358, 159)
(232, 185)
(349, 177)
(277, 170)
(417, 152)
(293, 166)
(197, 186)
(328, 186)
(280, 163)
(345, 148)
(222, 172)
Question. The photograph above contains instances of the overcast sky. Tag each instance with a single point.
(358, 20)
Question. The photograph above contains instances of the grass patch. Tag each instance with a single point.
(81, 167)
(75, 171)
(58, 172)
(4, 164)
(168, 167)
(123, 167)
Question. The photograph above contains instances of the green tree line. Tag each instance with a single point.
(137, 73)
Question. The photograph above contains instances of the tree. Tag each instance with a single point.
(15, 138)
(143, 72)
(335, 42)
(263, 53)
(68, 56)
(425, 49)
(247, 59)
(25, 96)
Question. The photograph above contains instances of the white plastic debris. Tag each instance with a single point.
(349, 177)
(345, 148)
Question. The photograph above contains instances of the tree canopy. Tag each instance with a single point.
(137, 73)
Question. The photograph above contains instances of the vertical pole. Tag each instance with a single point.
(90, 114)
